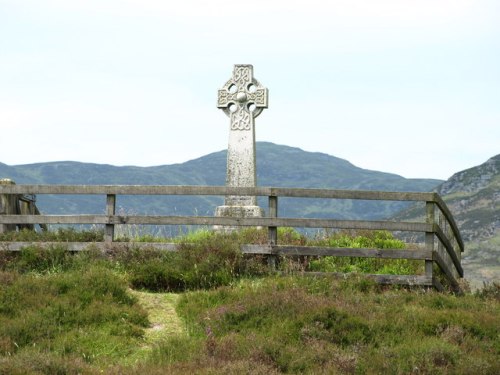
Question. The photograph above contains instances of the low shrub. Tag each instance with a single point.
(39, 259)
(489, 291)
(157, 274)
(214, 259)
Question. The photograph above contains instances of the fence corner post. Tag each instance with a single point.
(109, 233)
(429, 238)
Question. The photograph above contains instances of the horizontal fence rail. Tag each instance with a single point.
(443, 243)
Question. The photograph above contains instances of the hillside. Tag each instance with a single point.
(277, 165)
(473, 196)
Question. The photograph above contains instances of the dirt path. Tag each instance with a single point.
(164, 320)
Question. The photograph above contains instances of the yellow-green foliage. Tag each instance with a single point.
(365, 239)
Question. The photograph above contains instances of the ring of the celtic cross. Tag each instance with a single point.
(234, 97)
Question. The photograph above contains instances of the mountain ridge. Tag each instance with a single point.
(277, 165)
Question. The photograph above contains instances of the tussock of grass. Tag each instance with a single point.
(85, 314)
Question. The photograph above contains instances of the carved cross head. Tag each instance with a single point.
(242, 98)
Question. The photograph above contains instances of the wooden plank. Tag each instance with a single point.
(444, 268)
(449, 217)
(354, 252)
(71, 246)
(81, 246)
(257, 249)
(54, 219)
(211, 220)
(340, 252)
(351, 194)
(215, 190)
(134, 190)
(449, 249)
(410, 280)
(340, 224)
(442, 252)
(246, 249)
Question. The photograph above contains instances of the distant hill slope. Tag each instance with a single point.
(473, 196)
(277, 165)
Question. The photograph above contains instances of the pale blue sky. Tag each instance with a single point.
(401, 86)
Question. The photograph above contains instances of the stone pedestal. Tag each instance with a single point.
(239, 211)
(236, 211)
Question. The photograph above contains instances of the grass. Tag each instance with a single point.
(207, 309)
(325, 325)
(85, 315)
(164, 322)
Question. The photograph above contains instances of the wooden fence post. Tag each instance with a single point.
(7, 206)
(273, 230)
(429, 237)
(109, 233)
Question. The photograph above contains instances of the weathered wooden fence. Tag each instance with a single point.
(442, 245)
(17, 204)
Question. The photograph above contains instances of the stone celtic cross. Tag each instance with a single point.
(242, 98)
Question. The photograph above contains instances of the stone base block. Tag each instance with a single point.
(236, 211)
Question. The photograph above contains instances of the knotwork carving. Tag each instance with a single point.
(242, 98)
